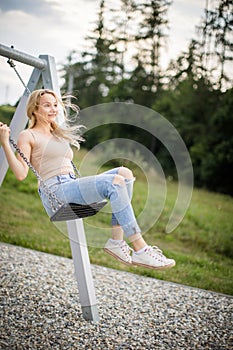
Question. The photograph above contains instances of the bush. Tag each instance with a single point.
(6, 113)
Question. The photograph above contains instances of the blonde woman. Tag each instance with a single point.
(47, 146)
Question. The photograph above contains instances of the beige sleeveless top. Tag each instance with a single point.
(50, 157)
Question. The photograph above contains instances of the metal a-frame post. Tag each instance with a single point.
(45, 71)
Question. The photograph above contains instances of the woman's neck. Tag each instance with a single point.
(45, 129)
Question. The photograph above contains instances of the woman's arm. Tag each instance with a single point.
(17, 164)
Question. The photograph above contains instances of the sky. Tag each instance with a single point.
(56, 27)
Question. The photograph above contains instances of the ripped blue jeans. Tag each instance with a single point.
(89, 189)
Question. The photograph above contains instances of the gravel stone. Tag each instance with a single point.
(40, 309)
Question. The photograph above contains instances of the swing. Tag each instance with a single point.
(61, 211)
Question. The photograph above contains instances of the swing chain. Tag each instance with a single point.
(26, 160)
(76, 169)
(12, 65)
(51, 196)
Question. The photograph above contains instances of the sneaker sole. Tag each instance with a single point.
(154, 267)
(117, 257)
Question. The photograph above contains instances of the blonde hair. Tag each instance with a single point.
(68, 133)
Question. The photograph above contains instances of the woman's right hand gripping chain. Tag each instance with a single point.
(4, 133)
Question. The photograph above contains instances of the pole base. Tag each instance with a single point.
(91, 313)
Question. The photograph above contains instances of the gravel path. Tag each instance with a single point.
(40, 309)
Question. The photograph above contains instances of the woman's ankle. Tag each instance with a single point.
(138, 244)
(117, 233)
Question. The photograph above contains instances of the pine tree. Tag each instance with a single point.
(224, 37)
(122, 21)
(150, 38)
(96, 70)
(217, 41)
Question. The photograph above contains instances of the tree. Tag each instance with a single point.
(216, 45)
(150, 38)
(187, 66)
(123, 20)
(96, 70)
(217, 166)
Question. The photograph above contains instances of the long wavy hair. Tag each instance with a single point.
(69, 133)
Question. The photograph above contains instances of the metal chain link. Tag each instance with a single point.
(51, 196)
(25, 159)
(12, 65)
(76, 169)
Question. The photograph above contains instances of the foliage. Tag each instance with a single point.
(217, 169)
(215, 44)
(203, 118)
(6, 113)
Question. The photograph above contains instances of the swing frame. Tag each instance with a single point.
(45, 74)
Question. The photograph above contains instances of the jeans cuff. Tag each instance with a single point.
(131, 229)
(134, 237)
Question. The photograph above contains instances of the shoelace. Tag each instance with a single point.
(155, 252)
(127, 247)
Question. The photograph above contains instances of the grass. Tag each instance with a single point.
(201, 244)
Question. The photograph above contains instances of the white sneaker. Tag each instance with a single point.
(119, 250)
(152, 258)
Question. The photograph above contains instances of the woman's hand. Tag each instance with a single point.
(4, 134)
(17, 164)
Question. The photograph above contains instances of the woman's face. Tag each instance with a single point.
(47, 110)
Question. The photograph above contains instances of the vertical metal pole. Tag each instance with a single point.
(82, 270)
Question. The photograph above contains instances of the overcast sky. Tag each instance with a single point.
(56, 27)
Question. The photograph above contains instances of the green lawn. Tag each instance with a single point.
(202, 245)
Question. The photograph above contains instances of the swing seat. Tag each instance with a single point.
(73, 211)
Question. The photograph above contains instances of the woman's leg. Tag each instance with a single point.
(143, 255)
(112, 186)
(116, 246)
(117, 231)
(115, 184)
(86, 190)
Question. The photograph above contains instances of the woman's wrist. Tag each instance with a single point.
(5, 143)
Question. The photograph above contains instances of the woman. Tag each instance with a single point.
(47, 145)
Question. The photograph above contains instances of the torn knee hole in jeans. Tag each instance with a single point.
(126, 173)
(122, 181)
(118, 180)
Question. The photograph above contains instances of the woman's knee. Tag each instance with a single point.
(125, 172)
(119, 180)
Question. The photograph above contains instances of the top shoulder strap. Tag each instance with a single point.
(32, 133)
